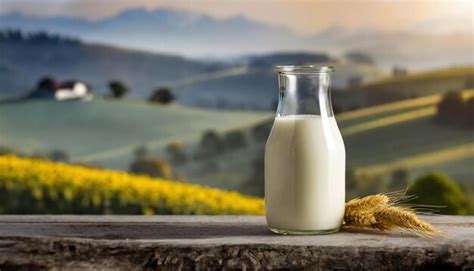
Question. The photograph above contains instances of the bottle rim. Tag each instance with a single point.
(306, 69)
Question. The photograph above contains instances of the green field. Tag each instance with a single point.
(404, 135)
(378, 140)
(107, 132)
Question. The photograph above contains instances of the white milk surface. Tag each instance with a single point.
(305, 174)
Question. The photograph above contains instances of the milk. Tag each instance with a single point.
(304, 175)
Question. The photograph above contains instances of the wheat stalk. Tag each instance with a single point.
(384, 212)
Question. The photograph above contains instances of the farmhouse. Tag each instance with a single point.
(61, 91)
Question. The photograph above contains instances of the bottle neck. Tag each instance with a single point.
(304, 94)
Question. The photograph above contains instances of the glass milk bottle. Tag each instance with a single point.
(304, 156)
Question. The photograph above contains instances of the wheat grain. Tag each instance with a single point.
(368, 202)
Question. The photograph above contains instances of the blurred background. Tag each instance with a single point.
(184, 92)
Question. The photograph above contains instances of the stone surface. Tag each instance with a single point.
(219, 242)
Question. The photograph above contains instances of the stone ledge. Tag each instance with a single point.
(219, 242)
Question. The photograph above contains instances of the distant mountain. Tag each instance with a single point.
(412, 50)
(166, 30)
(196, 35)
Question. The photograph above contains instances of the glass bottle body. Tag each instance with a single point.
(304, 156)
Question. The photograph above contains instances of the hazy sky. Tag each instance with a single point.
(301, 16)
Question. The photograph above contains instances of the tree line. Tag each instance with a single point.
(41, 37)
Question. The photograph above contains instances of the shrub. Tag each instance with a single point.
(35, 186)
(438, 189)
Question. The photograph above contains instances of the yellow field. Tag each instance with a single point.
(425, 159)
(43, 182)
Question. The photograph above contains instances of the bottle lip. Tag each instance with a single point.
(306, 69)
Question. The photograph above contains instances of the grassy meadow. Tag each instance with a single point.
(107, 132)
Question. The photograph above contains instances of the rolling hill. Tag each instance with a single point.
(101, 130)
(378, 140)
(257, 87)
(404, 135)
(386, 89)
(25, 59)
(419, 84)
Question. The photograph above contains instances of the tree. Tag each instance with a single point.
(235, 139)
(118, 89)
(261, 131)
(451, 106)
(140, 151)
(153, 167)
(438, 189)
(176, 152)
(453, 109)
(469, 82)
(469, 113)
(255, 185)
(211, 144)
(46, 83)
(59, 156)
(162, 95)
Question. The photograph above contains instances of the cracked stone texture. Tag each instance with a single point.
(219, 242)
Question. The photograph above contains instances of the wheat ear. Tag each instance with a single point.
(381, 213)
